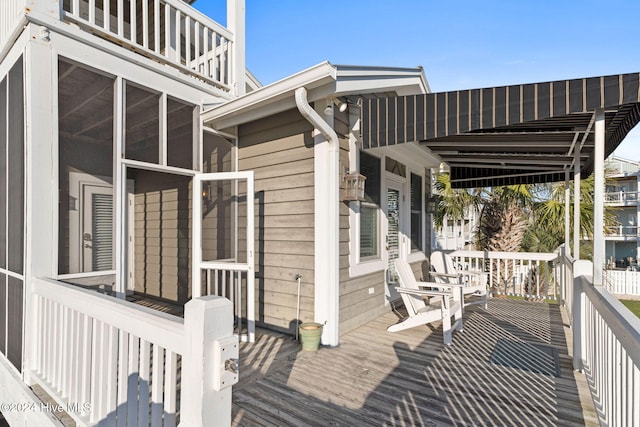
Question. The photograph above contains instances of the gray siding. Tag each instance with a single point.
(162, 233)
(357, 305)
(279, 149)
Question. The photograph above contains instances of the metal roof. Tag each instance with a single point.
(505, 135)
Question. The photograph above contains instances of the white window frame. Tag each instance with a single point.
(358, 266)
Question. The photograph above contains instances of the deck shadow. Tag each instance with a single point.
(411, 378)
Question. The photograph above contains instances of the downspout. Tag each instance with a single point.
(326, 301)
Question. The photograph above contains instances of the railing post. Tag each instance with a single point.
(580, 268)
(209, 365)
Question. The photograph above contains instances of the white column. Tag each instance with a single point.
(598, 198)
(41, 179)
(236, 24)
(567, 214)
(576, 204)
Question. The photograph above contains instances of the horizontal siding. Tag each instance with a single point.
(279, 150)
(162, 231)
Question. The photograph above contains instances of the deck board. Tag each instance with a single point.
(411, 378)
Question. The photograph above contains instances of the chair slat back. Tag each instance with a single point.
(443, 263)
(408, 280)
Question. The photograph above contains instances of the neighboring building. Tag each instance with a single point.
(623, 241)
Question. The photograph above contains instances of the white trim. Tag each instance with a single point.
(321, 81)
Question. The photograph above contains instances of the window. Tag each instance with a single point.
(369, 246)
(416, 213)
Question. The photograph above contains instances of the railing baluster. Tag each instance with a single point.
(157, 385)
(178, 40)
(75, 7)
(121, 18)
(168, 30)
(156, 26)
(143, 392)
(111, 370)
(92, 12)
(133, 25)
(132, 381)
(145, 23)
(196, 43)
(205, 50)
(170, 397)
(106, 14)
(187, 45)
(123, 378)
(86, 325)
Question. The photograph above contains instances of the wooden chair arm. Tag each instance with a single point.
(439, 285)
(424, 293)
(450, 275)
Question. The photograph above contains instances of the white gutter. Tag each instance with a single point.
(326, 174)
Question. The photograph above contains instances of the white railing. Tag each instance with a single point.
(622, 231)
(606, 346)
(621, 197)
(11, 14)
(232, 281)
(168, 31)
(109, 361)
(622, 282)
(525, 274)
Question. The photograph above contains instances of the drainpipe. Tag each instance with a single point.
(326, 298)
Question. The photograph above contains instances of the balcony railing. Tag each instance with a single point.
(111, 361)
(621, 197)
(167, 31)
(606, 346)
(11, 13)
(622, 231)
(522, 274)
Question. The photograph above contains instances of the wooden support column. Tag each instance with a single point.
(598, 198)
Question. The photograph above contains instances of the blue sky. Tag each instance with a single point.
(460, 44)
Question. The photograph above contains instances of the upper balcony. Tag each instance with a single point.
(621, 198)
(169, 32)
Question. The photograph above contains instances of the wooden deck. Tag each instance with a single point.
(500, 370)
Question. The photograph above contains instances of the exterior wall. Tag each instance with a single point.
(362, 298)
(279, 149)
(162, 231)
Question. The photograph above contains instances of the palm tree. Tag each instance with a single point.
(515, 218)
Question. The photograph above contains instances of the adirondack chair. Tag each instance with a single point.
(475, 282)
(445, 302)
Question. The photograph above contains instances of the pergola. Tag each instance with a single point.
(527, 133)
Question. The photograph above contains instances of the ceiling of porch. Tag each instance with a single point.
(505, 135)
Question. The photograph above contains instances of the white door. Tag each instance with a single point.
(97, 227)
(202, 268)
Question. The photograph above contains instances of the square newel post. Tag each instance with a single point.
(580, 268)
(209, 364)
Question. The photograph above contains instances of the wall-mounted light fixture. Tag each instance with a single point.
(353, 186)
(431, 204)
(207, 197)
